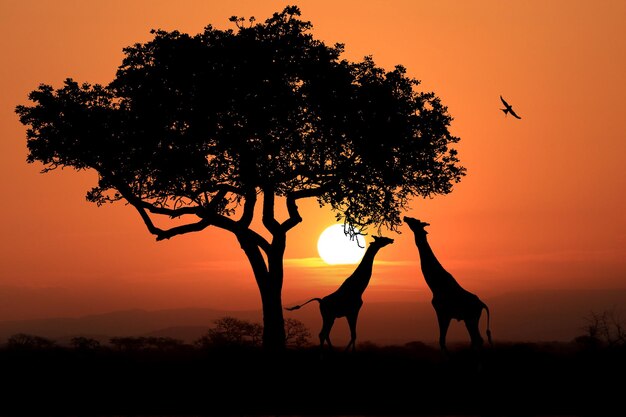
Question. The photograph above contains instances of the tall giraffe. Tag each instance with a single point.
(347, 300)
(450, 300)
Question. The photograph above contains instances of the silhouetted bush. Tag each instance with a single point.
(603, 329)
(230, 331)
(297, 335)
(84, 343)
(144, 343)
(25, 341)
(233, 332)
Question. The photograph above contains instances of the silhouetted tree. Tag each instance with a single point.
(296, 333)
(84, 343)
(135, 343)
(603, 329)
(230, 331)
(205, 128)
(29, 341)
(128, 343)
(163, 343)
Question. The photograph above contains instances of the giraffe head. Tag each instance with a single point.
(417, 226)
(381, 241)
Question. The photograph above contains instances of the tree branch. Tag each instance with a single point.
(269, 220)
(161, 234)
(186, 228)
(248, 208)
(307, 193)
(146, 218)
(167, 211)
(294, 214)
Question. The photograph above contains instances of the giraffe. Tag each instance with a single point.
(347, 300)
(450, 300)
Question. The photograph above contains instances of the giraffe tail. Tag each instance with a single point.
(319, 300)
(488, 324)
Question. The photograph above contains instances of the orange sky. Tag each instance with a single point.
(542, 205)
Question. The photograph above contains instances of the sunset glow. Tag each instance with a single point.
(335, 247)
(541, 207)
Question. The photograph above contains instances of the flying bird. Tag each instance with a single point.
(508, 108)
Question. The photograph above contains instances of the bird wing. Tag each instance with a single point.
(509, 108)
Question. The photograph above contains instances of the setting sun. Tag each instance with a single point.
(335, 247)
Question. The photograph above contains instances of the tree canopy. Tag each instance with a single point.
(202, 124)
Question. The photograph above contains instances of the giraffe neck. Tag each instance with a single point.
(360, 278)
(437, 278)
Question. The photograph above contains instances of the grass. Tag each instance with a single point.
(515, 379)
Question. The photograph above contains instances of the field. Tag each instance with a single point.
(517, 379)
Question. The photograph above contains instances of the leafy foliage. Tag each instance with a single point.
(201, 124)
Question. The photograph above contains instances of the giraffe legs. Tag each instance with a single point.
(471, 324)
(352, 319)
(444, 323)
(324, 335)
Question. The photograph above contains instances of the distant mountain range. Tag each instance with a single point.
(516, 317)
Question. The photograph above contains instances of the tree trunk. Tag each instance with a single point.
(269, 279)
(273, 321)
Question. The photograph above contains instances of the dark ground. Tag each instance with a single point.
(412, 380)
